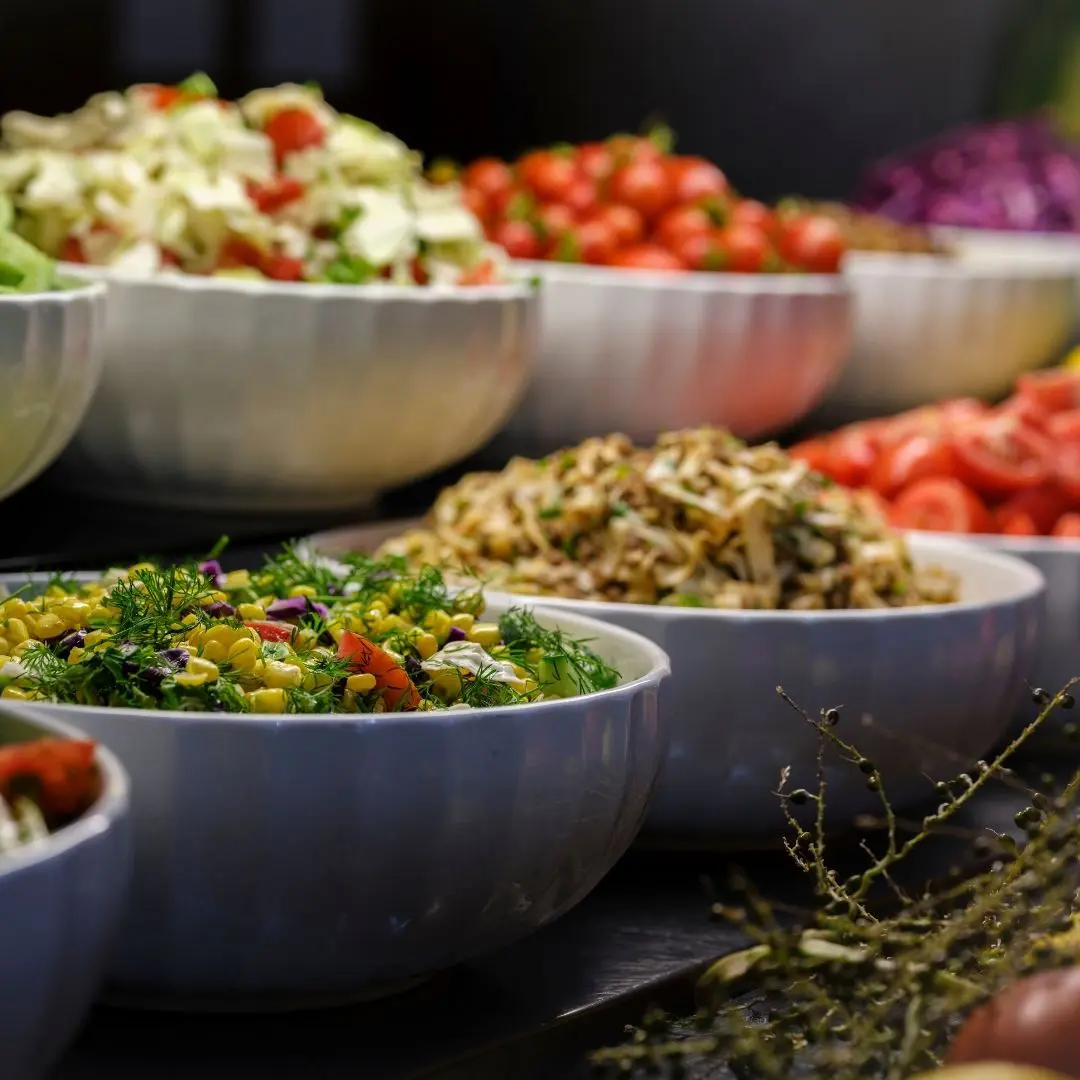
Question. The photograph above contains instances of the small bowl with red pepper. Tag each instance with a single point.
(65, 869)
(391, 777)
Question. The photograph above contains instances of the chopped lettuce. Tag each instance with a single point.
(23, 269)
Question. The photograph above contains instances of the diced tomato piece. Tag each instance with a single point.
(483, 273)
(1055, 390)
(1000, 455)
(1066, 459)
(271, 631)
(1028, 409)
(236, 253)
(273, 195)
(72, 251)
(1044, 505)
(282, 267)
(853, 451)
(293, 129)
(1064, 426)
(366, 657)
(815, 453)
(1017, 525)
(914, 458)
(65, 772)
(1067, 526)
(941, 504)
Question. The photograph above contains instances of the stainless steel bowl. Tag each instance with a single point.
(642, 353)
(285, 862)
(61, 903)
(252, 396)
(50, 365)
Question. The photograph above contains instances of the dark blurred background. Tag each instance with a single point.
(786, 95)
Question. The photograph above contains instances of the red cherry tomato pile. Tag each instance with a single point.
(627, 202)
(963, 467)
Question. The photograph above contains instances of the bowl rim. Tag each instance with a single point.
(689, 281)
(111, 804)
(1001, 269)
(86, 289)
(517, 289)
(1016, 546)
(1029, 583)
(659, 668)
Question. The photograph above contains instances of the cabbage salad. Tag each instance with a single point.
(276, 186)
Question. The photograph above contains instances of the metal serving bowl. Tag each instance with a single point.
(285, 862)
(263, 396)
(61, 902)
(940, 685)
(50, 365)
(642, 353)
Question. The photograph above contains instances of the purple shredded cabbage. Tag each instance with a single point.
(219, 609)
(175, 658)
(72, 639)
(292, 608)
(321, 610)
(456, 634)
(212, 569)
(1010, 175)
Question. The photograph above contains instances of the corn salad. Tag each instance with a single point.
(298, 636)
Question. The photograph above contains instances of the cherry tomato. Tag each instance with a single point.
(368, 658)
(273, 195)
(553, 220)
(518, 238)
(646, 257)
(694, 178)
(852, 453)
(816, 453)
(679, 222)
(549, 176)
(1066, 467)
(293, 129)
(595, 160)
(812, 243)
(1043, 505)
(489, 176)
(911, 459)
(625, 149)
(625, 220)
(700, 251)
(644, 185)
(476, 201)
(1068, 525)
(593, 241)
(514, 202)
(1017, 525)
(751, 212)
(582, 197)
(1064, 426)
(282, 267)
(744, 249)
(940, 504)
(271, 631)
(1000, 455)
(1055, 390)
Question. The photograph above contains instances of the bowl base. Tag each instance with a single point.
(253, 1001)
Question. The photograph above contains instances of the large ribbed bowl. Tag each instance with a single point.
(300, 861)
(642, 353)
(61, 903)
(270, 397)
(928, 328)
(50, 365)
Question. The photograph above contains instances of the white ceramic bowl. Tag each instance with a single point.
(61, 903)
(928, 328)
(253, 396)
(293, 862)
(941, 685)
(50, 365)
(643, 353)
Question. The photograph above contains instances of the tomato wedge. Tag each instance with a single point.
(366, 657)
(1067, 469)
(271, 631)
(852, 453)
(1064, 426)
(1068, 525)
(1043, 505)
(1018, 525)
(1055, 390)
(1000, 455)
(293, 129)
(941, 504)
(65, 772)
(1027, 409)
(273, 195)
(814, 453)
(912, 459)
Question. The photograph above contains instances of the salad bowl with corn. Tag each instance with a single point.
(345, 775)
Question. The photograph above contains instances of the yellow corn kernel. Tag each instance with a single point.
(217, 597)
(250, 611)
(356, 622)
(302, 590)
(73, 612)
(486, 635)
(392, 622)
(243, 654)
(380, 606)
(348, 702)
(12, 691)
(194, 636)
(446, 682)
(76, 655)
(191, 679)
(198, 665)
(5, 647)
(280, 675)
(14, 608)
(16, 631)
(305, 639)
(427, 645)
(139, 567)
(360, 684)
(336, 630)
(378, 706)
(237, 579)
(46, 626)
(267, 700)
(438, 622)
(217, 651)
(96, 637)
(266, 601)
(463, 620)
(190, 619)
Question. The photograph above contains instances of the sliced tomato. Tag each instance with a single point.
(294, 129)
(1068, 525)
(1055, 390)
(908, 460)
(940, 504)
(1044, 505)
(64, 771)
(1066, 458)
(1064, 426)
(366, 657)
(958, 410)
(273, 195)
(852, 453)
(1000, 455)
(816, 453)
(1028, 409)
(1017, 525)
(271, 631)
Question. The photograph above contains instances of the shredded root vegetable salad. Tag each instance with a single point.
(277, 185)
(700, 520)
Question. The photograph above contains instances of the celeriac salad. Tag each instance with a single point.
(277, 185)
